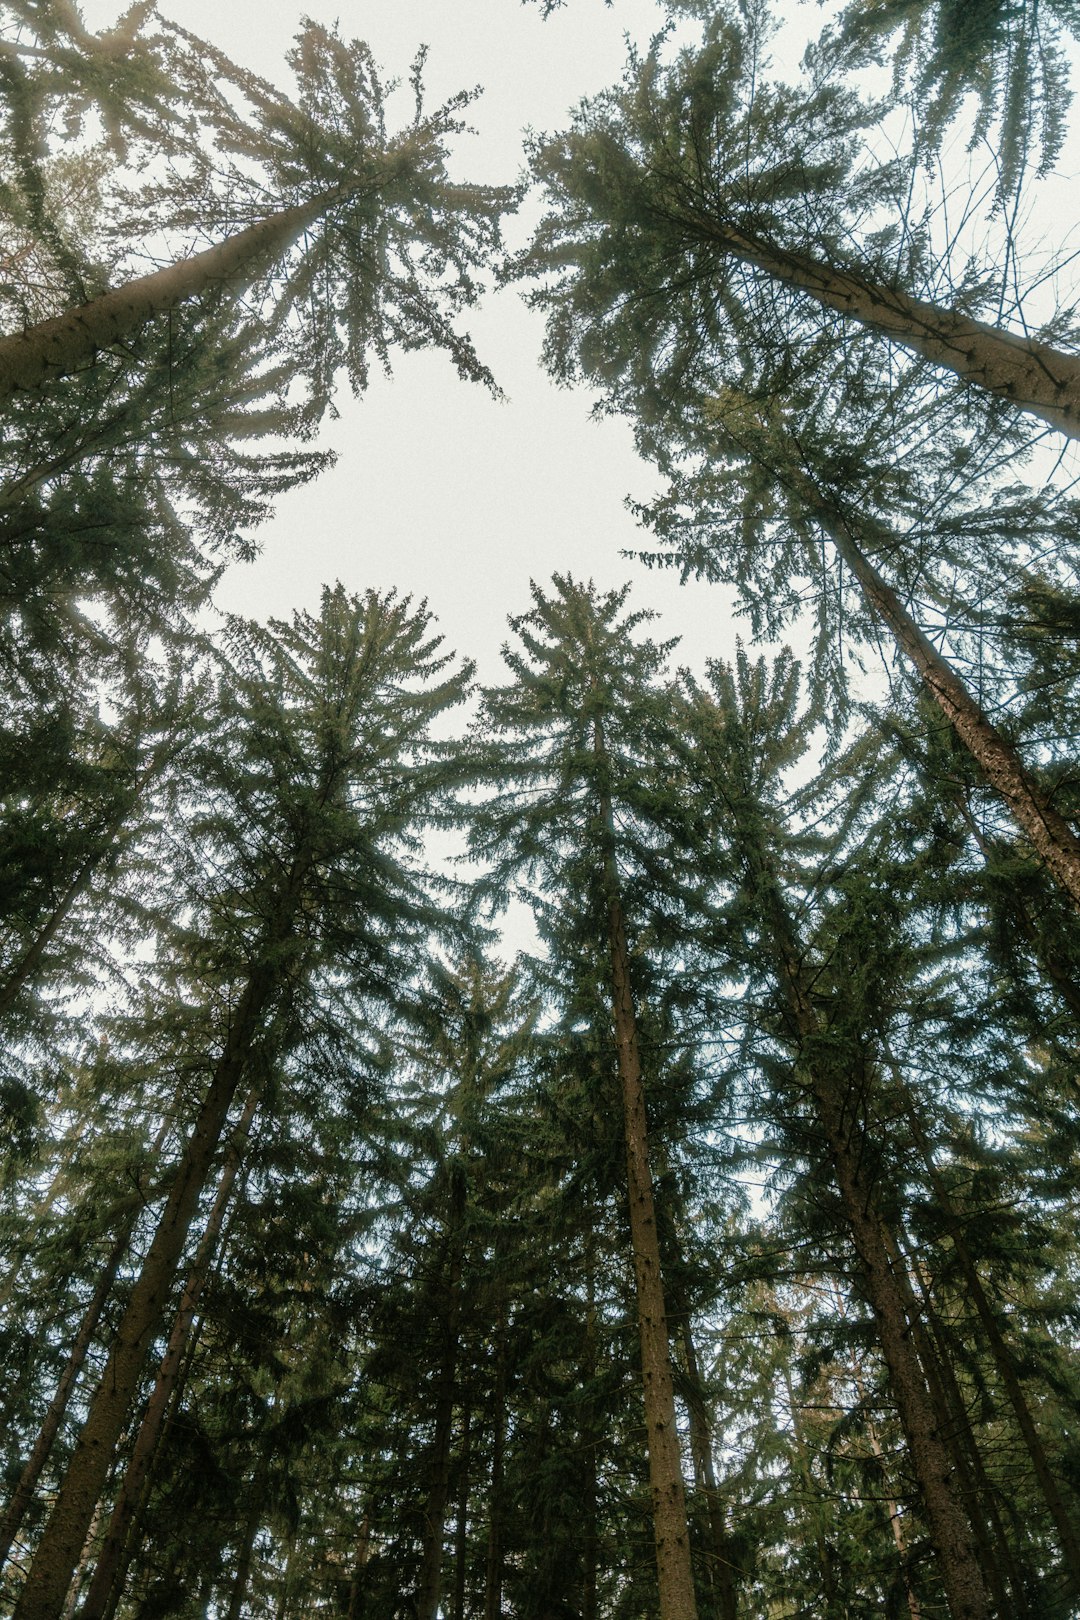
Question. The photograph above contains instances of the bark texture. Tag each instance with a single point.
(674, 1573)
(57, 347)
(950, 1531)
(1051, 836)
(58, 1551)
(108, 1571)
(1032, 375)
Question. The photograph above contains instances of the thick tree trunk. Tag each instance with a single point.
(42, 1596)
(108, 1570)
(672, 1536)
(1051, 836)
(1031, 375)
(950, 1531)
(59, 346)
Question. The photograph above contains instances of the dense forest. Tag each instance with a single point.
(716, 1255)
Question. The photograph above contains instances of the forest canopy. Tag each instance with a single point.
(595, 1139)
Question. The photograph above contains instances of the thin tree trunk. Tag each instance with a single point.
(429, 1586)
(834, 1609)
(363, 1554)
(107, 1571)
(493, 1561)
(246, 1556)
(1056, 970)
(1032, 375)
(23, 1494)
(590, 1438)
(71, 1596)
(947, 1521)
(950, 1416)
(57, 347)
(896, 1525)
(1051, 836)
(672, 1536)
(58, 1550)
(461, 1528)
(1002, 1356)
(21, 971)
(892, 1506)
(701, 1448)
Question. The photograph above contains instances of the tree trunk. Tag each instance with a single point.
(23, 1494)
(245, 1558)
(950, 1532)
(108, 1569)
(57, 347)
(20, 971)
(57, 1552)
(951, 1418)
(493, 1561)
(1055, 968)
(834, 1608)
(461, 1528)
(896, 1525)
(590, 1439)
(1051, 836)
(721, 1569)
(672, 1536)
(1000, 1352)
(429, 1588)
(1003, 1573)
(363, 1554)
(1031, 375)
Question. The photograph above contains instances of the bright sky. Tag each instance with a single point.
(440, 490)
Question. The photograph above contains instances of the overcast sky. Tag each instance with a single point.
(440, 490)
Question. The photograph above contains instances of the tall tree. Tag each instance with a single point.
(316, 772)
(702, 181)
(579, 810)
(753, 730)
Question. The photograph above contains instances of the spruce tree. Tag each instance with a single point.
(581, 813)
(317, 768)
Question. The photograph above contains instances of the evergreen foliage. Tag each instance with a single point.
(717, 1256)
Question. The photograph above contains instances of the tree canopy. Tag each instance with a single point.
(599, 1143)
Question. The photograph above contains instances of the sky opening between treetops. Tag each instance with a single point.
(441, 490)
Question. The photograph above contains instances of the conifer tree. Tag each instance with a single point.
(752, 730)
(701, 202)
(578, 759)
(317, 768)
(328, 177)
